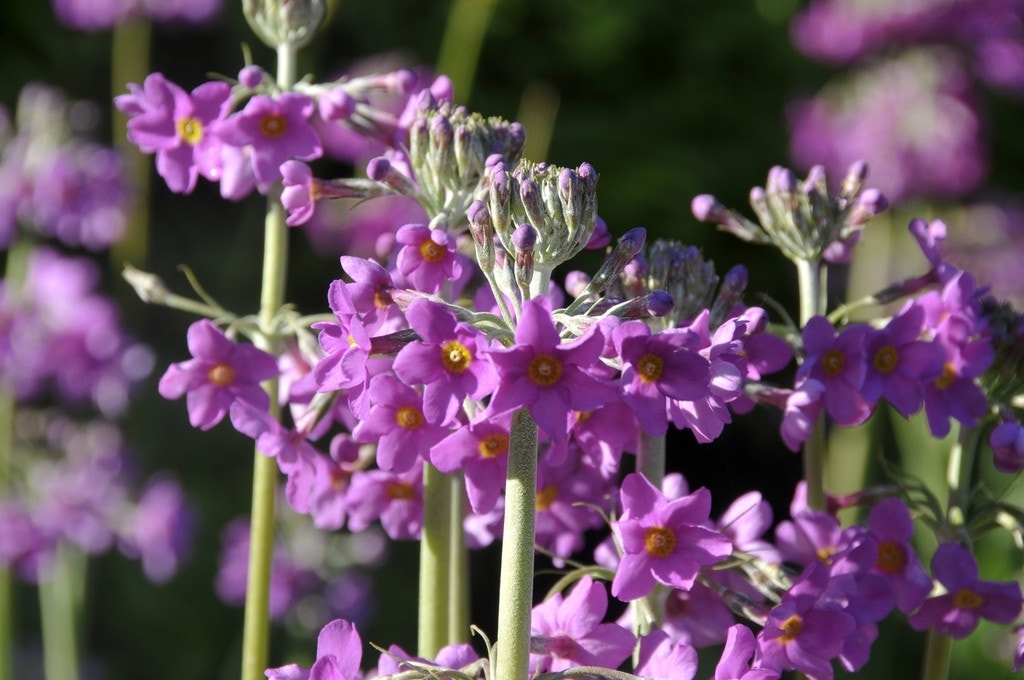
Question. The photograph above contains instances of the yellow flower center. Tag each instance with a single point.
(400, 491)
(455, 356)
(273, 125)
(886, 359)
(825, 553)
(493, 445)
(832, 362)
(431, 252)
(221, 375)
(891, 557)
(409, 417)
(544, 370)
(659, 541)
(946, 378)
(965, 598)
(791, 628)
(190, 130)
(545, 497)
(650, 367)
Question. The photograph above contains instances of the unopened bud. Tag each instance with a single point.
(284, 22)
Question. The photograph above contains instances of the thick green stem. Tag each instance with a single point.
(458, 571)
(435, 562)
(256, 631)
(59, 614)
(810, 275)
(515, 595)
(937, 652)
(650, 458)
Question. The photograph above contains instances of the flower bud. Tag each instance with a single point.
(284, 22)
(524, 239)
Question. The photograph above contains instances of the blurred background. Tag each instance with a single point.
(666, 100)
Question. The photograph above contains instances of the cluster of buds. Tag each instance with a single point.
(803, 219)
(449, 148)
(284, 22)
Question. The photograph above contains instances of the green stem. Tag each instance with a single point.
(256, 631)
(810, 276)
(458, 572)
(515, 594)
(463, 38)
(650, 458)
(959, 475)
(59, 616)
(435, 557)
(129, 63)
(6, 580)
(937, 652)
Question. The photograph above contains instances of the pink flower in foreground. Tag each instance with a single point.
(277, 129)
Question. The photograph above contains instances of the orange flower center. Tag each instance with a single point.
(659, 541)
(455, 356)
(946, 378)
(221, 375)
(273, 125)
(965, 598)
(409, 417)
(891, 557)
(190, 130)
(832, 362)
(545, 497)
(791, 628)
(400, 491)
(886, 359)
(493, 445)
(649, 368)
(544, 370)
(431, 252)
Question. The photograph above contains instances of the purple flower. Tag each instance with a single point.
(663, 541)
(657, 368)
(967, 599)
(428, 258)
(480, 450)
(219, 373)
(734, 663)
(339, 650)
(837, 362)
(802, 409)
(1007, 442)
(451, 361)
(547, 376)
(159, 530)
(396, 499)
(898, 362)
(892, 527)
(661, 657)
(805, 631)
(569, 632)
(397, 424)
(568, 489)
(277, 129)
(179, 127)
(299, 192)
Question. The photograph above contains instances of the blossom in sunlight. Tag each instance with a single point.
(276, 129)
(339, 651)
(219, 373)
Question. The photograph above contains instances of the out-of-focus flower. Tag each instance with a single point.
(94, 15)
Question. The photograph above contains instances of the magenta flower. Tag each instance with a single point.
(396, 499)
(339, 650)
(1007, 442)
(837, 362)
(568, 632)
(451, 361)
(657, 368)
(547, 376)
(179, 127)
(428, 258)
(661, 657)
(892, 527)
(397, 424)
(663, 541)
(299, 192)
(159, 530)
(805, 631)
(567, 491)
(220, 373)
(734, 663)
(967, 599)
(480, 450)
(277, 129)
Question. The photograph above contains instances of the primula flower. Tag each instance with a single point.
(892, 527)
(480, 451)
(805, 631)
(967, 599)
(277, 129)
(219, 373)
(837, 362)
(395, 499)
(159, 531)
(339, 651)
(427, 258)
(181, 128)
(734, 663)
(548, 376)
(568, 632)
(802, 409)
(451, 362)
(397, 424)
(657, 368)
(567, 491)
(663, 541)
(1007, 442)
(661, 657)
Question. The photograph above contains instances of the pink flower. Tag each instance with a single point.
(277, 129)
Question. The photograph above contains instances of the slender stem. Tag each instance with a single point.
(959, 475)
(129, 63)
(463, 38)
(650, 458)
(458, 572)
(937, 652)
(59, 617)
(810, 276)
(256, 631)
(435, 556)
(515, 594)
